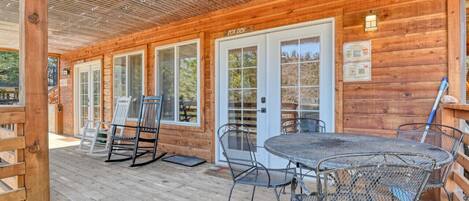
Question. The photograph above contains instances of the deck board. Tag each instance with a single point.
(76, 176)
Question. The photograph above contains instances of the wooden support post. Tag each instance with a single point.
(33, 62)
(454, 49)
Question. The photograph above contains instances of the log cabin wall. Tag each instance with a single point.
(409, 58)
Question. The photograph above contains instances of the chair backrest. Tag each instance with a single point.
(150, 114)
(303, 125)
(373, 176)
(446, 137)
(235, 140)
(121, 110)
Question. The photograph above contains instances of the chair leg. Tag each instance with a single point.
(231, 191)
(155, 147)
(134, 155)
(277, 194)
(253, 192)
(93, 143)
(111, 143)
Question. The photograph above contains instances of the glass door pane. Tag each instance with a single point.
(84, 98)
(242, 91)
(96, 94)
(300, 78)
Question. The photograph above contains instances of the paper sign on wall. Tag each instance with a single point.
(357, 61)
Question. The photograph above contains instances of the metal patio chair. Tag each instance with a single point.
(303, 125)
(241, 158)
(91, 130)
(146, 131)
(369, 176)
(446, 137)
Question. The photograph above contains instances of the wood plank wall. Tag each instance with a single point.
(409, 59)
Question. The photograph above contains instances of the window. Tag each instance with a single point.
(52, 67)
(177, 72)
(128, 79)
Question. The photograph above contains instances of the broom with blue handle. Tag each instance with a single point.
(443, 86)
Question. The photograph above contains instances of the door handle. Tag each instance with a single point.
(262, 110)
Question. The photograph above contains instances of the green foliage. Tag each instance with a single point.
(188, 79)
(9, 69)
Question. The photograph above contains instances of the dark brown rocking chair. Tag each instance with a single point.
(146, 131)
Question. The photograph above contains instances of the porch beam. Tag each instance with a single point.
(33, 89)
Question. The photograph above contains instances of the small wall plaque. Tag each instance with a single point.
(357, 61)
(237, 31)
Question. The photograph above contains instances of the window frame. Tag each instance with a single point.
(176, 78)
(126, 55)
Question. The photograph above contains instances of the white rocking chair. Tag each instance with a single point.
(90, 134)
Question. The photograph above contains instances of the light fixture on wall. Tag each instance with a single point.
(371, 22)
(66, 72)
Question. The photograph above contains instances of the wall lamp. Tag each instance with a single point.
(371, 22)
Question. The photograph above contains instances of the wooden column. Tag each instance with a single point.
(454, 49)
(33, 71)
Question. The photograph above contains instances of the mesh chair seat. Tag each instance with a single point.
(259, 177)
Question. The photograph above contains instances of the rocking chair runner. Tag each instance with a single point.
(146, 131)
(92, 129)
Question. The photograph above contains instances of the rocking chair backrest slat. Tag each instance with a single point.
(121, 110)
(150, 113)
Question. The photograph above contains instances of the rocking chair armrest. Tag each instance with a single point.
(125, 126)
(129, 126)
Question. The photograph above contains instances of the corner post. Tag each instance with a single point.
(33, 90)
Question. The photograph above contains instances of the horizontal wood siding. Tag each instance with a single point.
(409, 59)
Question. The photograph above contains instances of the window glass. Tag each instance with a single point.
(177, 81)
(166, 81)
(52, 66)
(128, 80)
(187, 64)
(120, 65)
(135, 84)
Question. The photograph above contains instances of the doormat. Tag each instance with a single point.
(189, 161)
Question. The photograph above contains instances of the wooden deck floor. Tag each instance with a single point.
(79, 177)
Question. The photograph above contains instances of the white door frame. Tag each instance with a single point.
(217, 71)
(76, 86)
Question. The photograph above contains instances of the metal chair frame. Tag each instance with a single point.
(294, 123)
(416, 130)
(319, 125)
(148, 122)
(253, 167)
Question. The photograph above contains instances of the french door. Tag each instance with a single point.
(266, 78)
(88, 93)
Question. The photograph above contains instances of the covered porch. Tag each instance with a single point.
(360, 67)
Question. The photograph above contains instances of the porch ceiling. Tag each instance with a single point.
(76, 23)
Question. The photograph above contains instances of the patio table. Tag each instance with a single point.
(309, 148)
